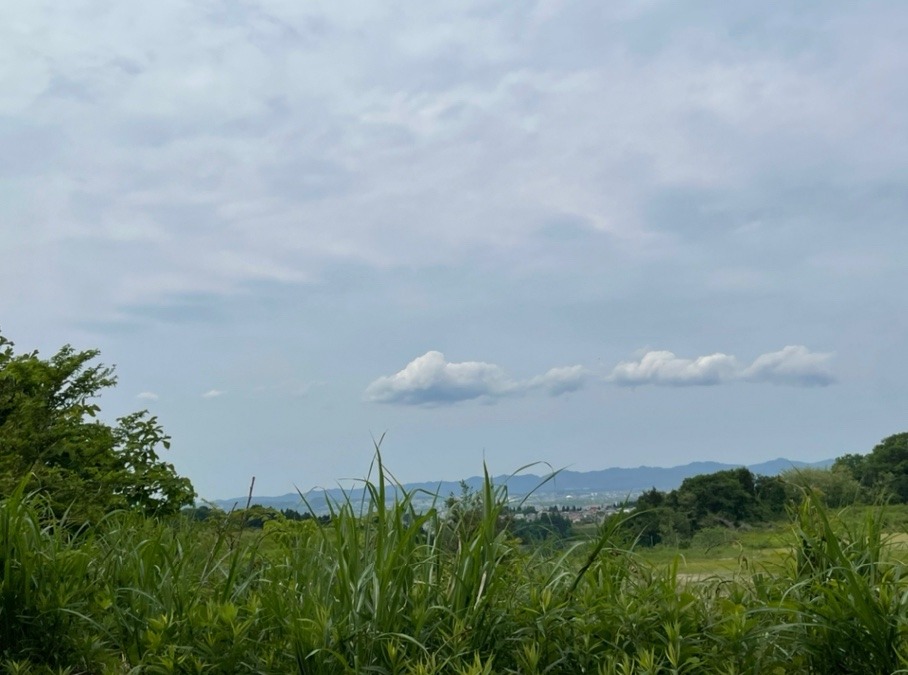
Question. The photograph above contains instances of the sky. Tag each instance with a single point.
(589, 234)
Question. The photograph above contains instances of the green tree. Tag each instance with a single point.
(727, 495)
(772, 497)
(51, 438)
(887, 466)
(256, 516)
(651, 499)
(656, 525)
(851, 463)
(837, 486)
(884, 469)
(547, 525)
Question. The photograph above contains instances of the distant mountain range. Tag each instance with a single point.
(615, 481)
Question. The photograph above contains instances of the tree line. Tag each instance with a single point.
(737, 497)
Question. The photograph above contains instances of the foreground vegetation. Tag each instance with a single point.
(384, 589)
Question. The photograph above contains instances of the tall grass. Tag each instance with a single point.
(388, 588)
(43, 589)
(842, 605)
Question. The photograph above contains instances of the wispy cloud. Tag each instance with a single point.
(794, 365)
(559, 381)
(213, 393)
(147, 396)
(431, 380)
(117, 132)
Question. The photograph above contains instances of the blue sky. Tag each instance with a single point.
(592, 234)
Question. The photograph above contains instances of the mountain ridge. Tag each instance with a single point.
(611, 480)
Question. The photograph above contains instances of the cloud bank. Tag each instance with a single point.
(431, 380)
(177, 148)
(795, 365)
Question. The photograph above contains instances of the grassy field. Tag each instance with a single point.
(387, 589)
(726, 553)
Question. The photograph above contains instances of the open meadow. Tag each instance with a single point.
(725, 553)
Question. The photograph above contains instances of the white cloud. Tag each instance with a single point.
(663, 367)
(793, 365)
(213, 393)
(431, 380)
(559, 381)
(148, 396)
